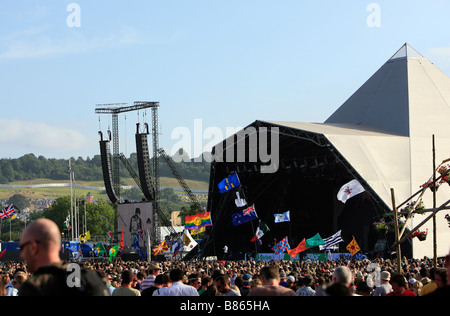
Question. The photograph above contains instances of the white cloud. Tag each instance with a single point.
(18, 137)
(32, 43)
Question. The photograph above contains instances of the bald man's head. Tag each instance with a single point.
(40, 243)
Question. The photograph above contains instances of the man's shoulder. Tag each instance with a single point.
(266, 290)
(62, 279)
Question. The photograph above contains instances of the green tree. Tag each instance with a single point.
(19, 200)
(95, 213)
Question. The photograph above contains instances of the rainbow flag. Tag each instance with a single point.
(198, 221)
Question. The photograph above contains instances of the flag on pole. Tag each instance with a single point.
(198, 221)
(113, 252)
(162, 247)
(240, 202)
(314, 241)
(260, 231)
(7, 212)
(122, 243)
(331, 241)
(284, 217)
(109, 233)
(99, 249)
(189, 242)
(85, 237)
(176, 248)
(281, 247)
(301, 247)
(67, 222)
(349, 190)
(245, 216)
(353, 247)
(229, 183)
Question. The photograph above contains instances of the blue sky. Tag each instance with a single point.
(221, 63)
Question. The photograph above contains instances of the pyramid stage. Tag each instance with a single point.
(381, 136)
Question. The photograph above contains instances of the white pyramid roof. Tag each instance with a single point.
(385, 129)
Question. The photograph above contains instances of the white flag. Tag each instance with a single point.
(349, 190)
(240, 202)
(285, 217)
(189, 242)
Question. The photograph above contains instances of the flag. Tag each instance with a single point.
(162, 247)
(245, 216)
(331, 241)
(260, 231)
(109, 233)
(198, 221)
(314, 241)
(140, 233)
(349, 190)
(99, 249)
(281, 247)
(281, 218)
(67, 222)
(86, 236)
(176, 248)
(122, 243)
(113, 252)
(301, 247)
(353, 247)
(240, 202)
(7, 212)
(198, 231)
(2, 253)
(189, 242)
(229, 183)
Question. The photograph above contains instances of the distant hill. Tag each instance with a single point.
(29, 167)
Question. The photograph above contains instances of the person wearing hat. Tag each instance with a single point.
(384, 287)
(246, 282)
(153, 271)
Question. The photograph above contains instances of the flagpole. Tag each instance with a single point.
(398, 250)
(253, 229)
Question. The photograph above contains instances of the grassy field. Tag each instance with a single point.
(53, 192)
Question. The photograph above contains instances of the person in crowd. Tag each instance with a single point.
(306, 284)
(178, 288)
(399, 286)
(246, 283)
(223, 285)
(39, 245)
(270, 277)
(443, 288)
(384, 287)
(126, 289)
(153, 270)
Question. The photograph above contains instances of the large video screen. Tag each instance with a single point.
(136, 220)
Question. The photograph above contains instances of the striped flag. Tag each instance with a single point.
(331, 241)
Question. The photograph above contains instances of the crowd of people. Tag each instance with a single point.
(43, 273)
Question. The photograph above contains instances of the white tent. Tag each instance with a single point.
(384, 130)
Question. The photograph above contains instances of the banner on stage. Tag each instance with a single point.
(323, 256)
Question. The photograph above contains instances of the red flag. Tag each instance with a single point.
(2, 253)
(122, 243)
(301, 247)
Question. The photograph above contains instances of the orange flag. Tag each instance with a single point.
(301, 247)
(122, 243)
(353, 247)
